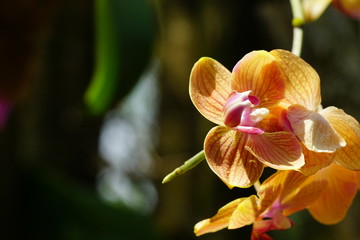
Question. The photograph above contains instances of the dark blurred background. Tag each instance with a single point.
(95, 111)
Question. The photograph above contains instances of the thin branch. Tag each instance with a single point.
(189, 164)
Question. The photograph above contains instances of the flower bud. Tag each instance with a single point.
(313, 9)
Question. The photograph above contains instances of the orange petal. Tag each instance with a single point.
(302, 81)
(335, 200)
(279, 150)
(276, 121)
(227, 157)
(313, 9)
(220, 220)
(314, 130)
(349, 129)
(268, 195)
(280, 184)
(293, 190)
(303, 196)
(209, 88)
(291, 181)
(258, 71)
(314, 161)
(245, 213)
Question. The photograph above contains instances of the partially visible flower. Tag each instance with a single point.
(349, 7)
(313, 9)
(240, 102)
(334, 201)
(282, 194)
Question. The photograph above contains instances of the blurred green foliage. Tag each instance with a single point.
(124, 34)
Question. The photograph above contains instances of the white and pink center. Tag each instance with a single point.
(241, 114)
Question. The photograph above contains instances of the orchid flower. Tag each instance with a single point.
(249, 106)
(313, 9)
(279, 196)
(349, 7)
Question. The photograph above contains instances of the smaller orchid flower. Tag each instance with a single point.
(313, 9)
(239, 102)
(349, 7)
(282, 194)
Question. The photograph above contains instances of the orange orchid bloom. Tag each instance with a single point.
(239, 101)
(279, 196)
(269, 113)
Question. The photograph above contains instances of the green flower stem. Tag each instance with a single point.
(297, 23)
(104, 83)
(188, 165)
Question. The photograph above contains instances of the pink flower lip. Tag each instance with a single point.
(249, 130)
(240, 114)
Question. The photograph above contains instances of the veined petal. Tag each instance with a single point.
(302, 81)
(313, 9)
(268, 194)
(245, 213)
(291, 190)
(279, 150)
(335, 200)
(210, 86)
(220, 220)
(258, 71)
(228, 158)
(349, 129)
(280, 186)
(314, 161)
(303, 196)
(314, 130)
